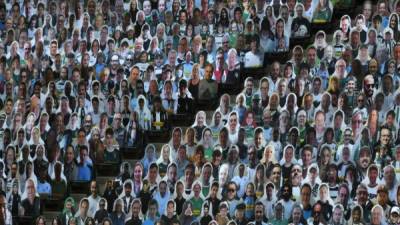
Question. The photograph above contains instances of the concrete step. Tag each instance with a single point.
(77, 197)
(101, 183)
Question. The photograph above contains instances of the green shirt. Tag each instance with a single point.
(58, 189)
(279, 222)
(208, 154)
(196, 204)
(205, 190)
(322, 15)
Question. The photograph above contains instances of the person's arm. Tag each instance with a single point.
(175, 108)
(118, 155)
(216, 92)
(36, 208)
(329, 14)
(3, 215)
(200, 90)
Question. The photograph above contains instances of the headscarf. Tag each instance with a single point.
(69, 213)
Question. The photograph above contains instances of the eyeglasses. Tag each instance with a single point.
(231, 190)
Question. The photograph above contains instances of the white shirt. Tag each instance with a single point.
(252, 60)
(93, 204)
(288, 206)
(241, 182)
(158, 119)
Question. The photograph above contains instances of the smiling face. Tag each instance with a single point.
(376, 216)
(200, 119)
(30, 188)
(233, 122)
(223, 174)
(385, 136)
(365, 159)
(138, 173)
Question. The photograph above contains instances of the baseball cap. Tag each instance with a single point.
(395, 209)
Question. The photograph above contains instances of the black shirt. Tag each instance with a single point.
(134, 221)
(31, 210)
(179, 205)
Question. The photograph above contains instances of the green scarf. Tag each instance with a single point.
(67, 211)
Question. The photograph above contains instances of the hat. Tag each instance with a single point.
(395, 209)
(223, 205)
(130, 27)
(217, 149)
(125, 41)
(314, 166)
(114, 58)
(388, 30)
(118, 28)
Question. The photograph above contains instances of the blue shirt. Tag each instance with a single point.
(149, 221)
(84, 172)
(267, 134)
(249, 211)
(44, 188)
